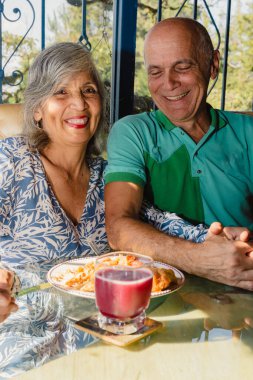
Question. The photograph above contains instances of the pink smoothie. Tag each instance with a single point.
(122, 293)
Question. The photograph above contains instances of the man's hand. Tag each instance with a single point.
(222, 260)
(231, 233)
(7, 302)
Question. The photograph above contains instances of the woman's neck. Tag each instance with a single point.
(68, 174)
(70, 160)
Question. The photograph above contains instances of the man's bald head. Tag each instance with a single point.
(195, 31)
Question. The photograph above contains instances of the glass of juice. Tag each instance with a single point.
(123, 283)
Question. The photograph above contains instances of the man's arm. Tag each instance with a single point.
(217, 259)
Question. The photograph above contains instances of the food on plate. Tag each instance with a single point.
(78, 278)
(128, 260)
(82, 277)
(162, 279)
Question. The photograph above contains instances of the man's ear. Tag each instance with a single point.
(215, 64)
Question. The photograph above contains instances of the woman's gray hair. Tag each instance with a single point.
(49, 69)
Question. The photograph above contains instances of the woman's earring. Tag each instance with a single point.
(38, 124)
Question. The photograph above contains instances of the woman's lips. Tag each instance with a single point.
(78, 122)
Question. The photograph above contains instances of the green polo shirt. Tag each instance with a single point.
(202, 182)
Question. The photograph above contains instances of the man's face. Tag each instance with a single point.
(178, 75)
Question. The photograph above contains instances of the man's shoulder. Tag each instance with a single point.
(236, 124)
(236, 117)
(137, 119)
(138, 126)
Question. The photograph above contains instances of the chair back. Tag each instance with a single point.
(11, 120)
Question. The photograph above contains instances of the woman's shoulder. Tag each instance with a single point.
(97, 163)
(14, 146)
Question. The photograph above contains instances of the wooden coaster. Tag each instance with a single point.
(91, 326)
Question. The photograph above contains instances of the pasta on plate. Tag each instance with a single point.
(82, 277)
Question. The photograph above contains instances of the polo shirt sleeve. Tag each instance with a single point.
(125, 153)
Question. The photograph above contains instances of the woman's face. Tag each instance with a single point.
(71, 115)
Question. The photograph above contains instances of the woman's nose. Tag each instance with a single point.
(79, 102)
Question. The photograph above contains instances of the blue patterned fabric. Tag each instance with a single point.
(172, 224)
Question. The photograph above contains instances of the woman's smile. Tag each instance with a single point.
(78, 122)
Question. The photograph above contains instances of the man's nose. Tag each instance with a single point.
(171, 80)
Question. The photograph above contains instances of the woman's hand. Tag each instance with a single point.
(7, 302)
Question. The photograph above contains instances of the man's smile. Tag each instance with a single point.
(177, 97)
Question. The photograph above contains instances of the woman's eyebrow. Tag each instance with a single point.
(67, 84)
(89, 82)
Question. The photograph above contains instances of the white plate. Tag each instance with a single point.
(71, 264)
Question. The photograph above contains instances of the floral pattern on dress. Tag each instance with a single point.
(171, 224)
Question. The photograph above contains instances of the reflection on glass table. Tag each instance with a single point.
(40, 330)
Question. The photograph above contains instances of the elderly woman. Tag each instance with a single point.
(52, 188)
(51, 183)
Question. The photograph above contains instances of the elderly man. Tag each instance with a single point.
(185, 157)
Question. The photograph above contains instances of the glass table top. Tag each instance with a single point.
(209, 322)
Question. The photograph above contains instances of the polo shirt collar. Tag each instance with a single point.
(217, 122)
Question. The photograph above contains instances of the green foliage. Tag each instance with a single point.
(239, 89)
(66, 25)
(21, 61)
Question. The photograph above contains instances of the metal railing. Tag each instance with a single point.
(15, 14)
(17, 76)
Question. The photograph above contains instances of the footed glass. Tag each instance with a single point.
(122, 289)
